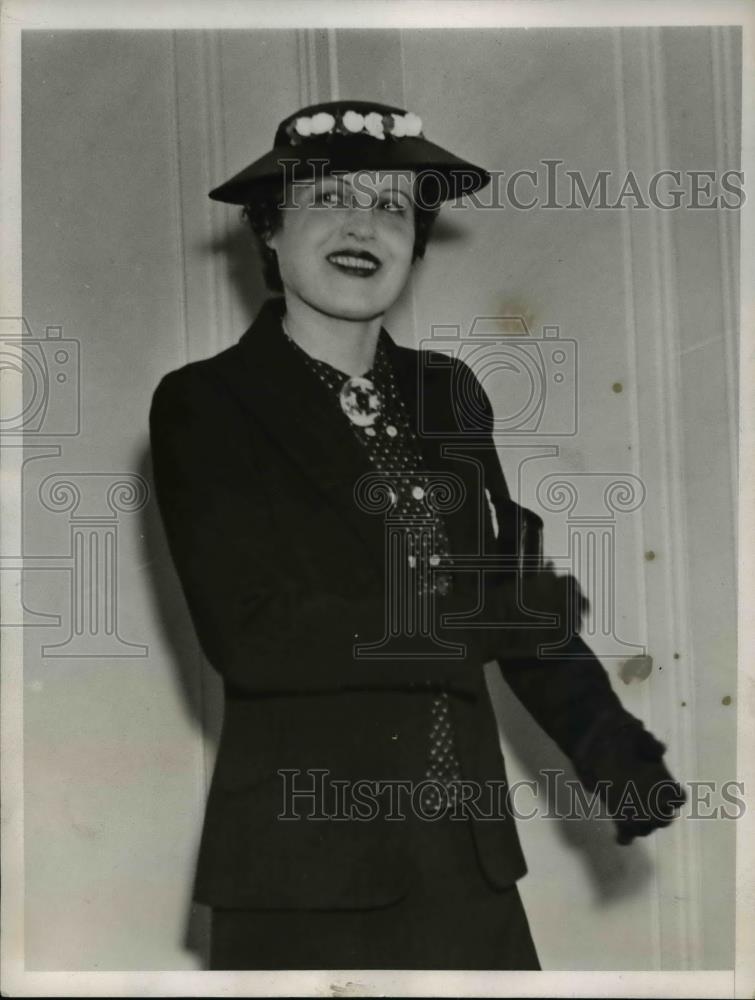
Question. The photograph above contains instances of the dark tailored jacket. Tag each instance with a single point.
(255, 472)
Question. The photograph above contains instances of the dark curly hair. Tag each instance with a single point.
(263, 216)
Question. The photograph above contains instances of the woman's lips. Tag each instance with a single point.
(360, 265)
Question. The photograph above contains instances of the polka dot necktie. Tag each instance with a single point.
(380, 421)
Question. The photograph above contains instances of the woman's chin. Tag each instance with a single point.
(356, 308)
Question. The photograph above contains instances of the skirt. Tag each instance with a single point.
(451, 918)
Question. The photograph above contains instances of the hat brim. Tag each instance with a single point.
(443, 175)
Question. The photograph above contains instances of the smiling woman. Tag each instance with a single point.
(322, 493)
(264, 214)
(345, 247)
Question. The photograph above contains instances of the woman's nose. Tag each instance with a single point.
(360, 221)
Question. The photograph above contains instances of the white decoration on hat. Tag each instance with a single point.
(322, 122)
(353, 121)
(412, 123)
(398, 126)
(373, 122)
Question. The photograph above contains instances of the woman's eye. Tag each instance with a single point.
(329, 199)
(393, 205)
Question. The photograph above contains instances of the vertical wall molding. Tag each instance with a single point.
(302, 59)
(314, 83)
(335, 89)
(727, 158)
(658, 278)
(317, 52)
(212, 58)
(197, 171)
(180, 236)
(200, 158)
(633, 366)
(183, 314)
(681, 849)
(404, 101)
(654, 278)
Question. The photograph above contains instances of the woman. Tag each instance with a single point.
(318, 523)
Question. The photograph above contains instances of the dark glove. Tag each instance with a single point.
(625, 763)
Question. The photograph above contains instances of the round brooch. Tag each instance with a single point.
(360, 401)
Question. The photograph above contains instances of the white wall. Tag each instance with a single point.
(124, 134)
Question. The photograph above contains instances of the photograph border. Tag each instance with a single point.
(18, 15)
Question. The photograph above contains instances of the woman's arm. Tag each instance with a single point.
(570, 695)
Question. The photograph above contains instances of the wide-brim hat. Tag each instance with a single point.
(351, 136)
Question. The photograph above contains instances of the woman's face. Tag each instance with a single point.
(345, 243)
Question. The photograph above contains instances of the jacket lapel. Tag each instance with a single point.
(295, 409)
